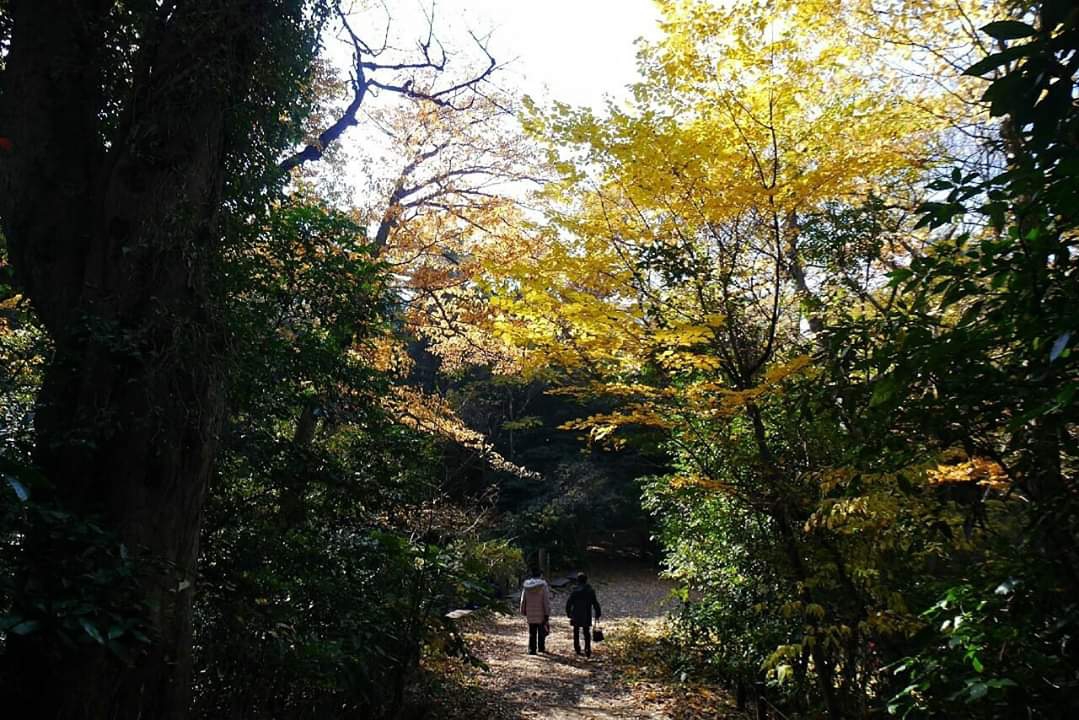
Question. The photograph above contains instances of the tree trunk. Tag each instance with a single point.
(294, 484)
(823, 663)
(129, 447)
(111, 229)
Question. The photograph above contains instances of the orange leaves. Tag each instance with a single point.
(384, 354)
(431, 414)
(431, 278)
(979, 471)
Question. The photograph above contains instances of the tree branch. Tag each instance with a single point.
(364, 81)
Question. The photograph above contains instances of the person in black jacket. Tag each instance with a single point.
(579, 610)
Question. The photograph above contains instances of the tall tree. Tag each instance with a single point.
(138, 138)
(679, 281)
(129, 125)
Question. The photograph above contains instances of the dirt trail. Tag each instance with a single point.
(560, 685)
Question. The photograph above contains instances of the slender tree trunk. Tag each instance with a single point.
(294, 486)
(823, 663)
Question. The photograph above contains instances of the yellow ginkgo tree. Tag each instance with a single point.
(689, 270)
(675, 254)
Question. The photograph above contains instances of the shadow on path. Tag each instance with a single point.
(559, 684)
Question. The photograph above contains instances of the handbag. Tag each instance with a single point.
(597, 634)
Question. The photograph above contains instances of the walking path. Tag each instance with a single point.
(560, 685)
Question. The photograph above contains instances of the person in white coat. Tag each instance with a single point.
(536, 606)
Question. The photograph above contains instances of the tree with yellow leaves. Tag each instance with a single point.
(701, 236)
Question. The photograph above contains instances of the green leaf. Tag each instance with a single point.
(26, 627)
(992, 62)
(977, 691)
(1001, 683)
(1008, 30)
(886, 388)
(899, 275)
(92, 631)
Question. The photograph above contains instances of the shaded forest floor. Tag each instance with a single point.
(563, 686)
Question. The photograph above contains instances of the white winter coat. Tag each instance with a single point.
(536, 600)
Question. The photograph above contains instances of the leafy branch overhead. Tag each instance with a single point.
(791, 322)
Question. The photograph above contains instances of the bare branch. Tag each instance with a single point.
(366, 67)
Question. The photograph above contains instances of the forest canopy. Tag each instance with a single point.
(312, 335)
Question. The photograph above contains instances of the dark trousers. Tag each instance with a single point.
(579, 630)
(537, 636)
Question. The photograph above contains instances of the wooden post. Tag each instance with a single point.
(762, 706)
(545, 563)
(740, 695)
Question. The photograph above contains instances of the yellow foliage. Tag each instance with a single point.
(980, 471)
(431, 414)
(667, 261)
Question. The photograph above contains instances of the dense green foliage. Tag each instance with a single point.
(574, 496)
(928, 465)
(850, 423)
(331, 549)
(200, 316)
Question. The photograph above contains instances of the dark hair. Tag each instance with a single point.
(534, 572)
(582, 578)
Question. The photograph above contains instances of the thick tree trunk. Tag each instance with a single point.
(130, 446)
(111, 231)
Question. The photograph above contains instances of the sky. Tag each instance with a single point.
(575, 51)
(578, 50)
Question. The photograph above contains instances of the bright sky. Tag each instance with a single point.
(576, 51)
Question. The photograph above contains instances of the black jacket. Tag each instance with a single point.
(580, 604)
